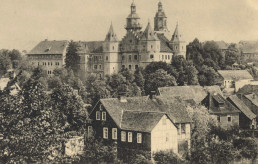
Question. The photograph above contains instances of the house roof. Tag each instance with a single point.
(140, 121)
(196, 93)
(242, 107)
(247, 89)
(253, 98)
(235, 74)
(222, 45)
(50, 47)
(219, 105)
(164, 43)
(145, 108)
(249, 46)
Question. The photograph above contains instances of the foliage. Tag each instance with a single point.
(139, 79)
(72, 57)
(232, 55)
(154, 66)
(164, 157)
(208, 76)
(159, 78)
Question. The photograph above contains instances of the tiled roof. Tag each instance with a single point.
(253, 98)
(196, 93)
(50, 47)
(242, 107)
(219, 105)
(140, 121)
(144, 108)
(235, 74)
(164, 43)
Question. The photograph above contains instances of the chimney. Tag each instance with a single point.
(152, 94)
(122, 99)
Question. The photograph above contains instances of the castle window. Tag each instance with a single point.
(106, 57)
(113, 47)
(151, 56)
(135, 57)
(123, 66)
(182, 47)
(100, 66)
(130, 57)
(151, 46)
(136, 66)
(95, 66)
(130, 67)
(105, 133)
(218, 118)
(123, 57)
(176, 47)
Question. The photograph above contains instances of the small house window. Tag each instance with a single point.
(130, 137)
(114, 133)
(104, 115)
(123, 136)
(105, 133)
(168, 57)
(229, 118)
(139, 137)
(90, 131)
(97, 115)
(167, 137)
(183, 128)
(218, 118)
(162, 57)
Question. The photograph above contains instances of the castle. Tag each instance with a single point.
(137, 48)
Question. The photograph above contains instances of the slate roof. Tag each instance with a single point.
(242, 107)
(219, 105)
(111, 36)
(149, 34)
(196, 93)
(253, 98)
(177, 36)
(94, 46)
(140, 121)
(164, 43)
(235, 74)
(142, 113)
(50, 47)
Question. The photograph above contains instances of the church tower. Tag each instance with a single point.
(160, 19)
(133, 20)
(177, 43)
(111, 52)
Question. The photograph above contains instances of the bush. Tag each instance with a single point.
(164, 157)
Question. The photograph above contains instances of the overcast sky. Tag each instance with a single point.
(26, 22)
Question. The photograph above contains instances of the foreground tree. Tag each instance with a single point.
(72, 57)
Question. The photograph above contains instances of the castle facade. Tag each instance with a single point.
(137, 48)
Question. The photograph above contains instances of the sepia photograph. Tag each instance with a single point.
(129, 82)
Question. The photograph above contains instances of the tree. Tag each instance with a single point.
(72, 57)
(5, 62)
(154, 66)
(169, 156)
(191, 75)
(159, 78)
(232, 55)
(139, 79)
(207, 76)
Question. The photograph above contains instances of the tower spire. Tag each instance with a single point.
(133, 19)
(111, 36)
(160, 19)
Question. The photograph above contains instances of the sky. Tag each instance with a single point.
(24, 23)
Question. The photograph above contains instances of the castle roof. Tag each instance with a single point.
(111, 36)
(149, 34)
(160, 13)
(164, 43)
(94, 46)
(50, 47)
(177, 36)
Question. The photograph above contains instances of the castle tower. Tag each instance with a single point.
(160, 20)
(132, 21)
(111, 52)
(177, 43)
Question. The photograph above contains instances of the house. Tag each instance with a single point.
(74, 146)
(234, 79)
(227, 114)
(190, 94)
(7, 82)
(249, 50)
(141, 124)
(247, 119)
